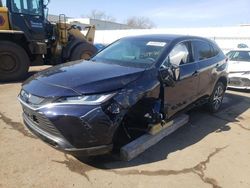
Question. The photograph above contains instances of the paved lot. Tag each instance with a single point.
(211, 151)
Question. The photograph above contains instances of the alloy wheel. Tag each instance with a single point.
(218, 97)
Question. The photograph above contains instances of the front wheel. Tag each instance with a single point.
(216, 98)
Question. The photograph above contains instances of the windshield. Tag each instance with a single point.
(135, 52)
(239, 55)
(31, 7)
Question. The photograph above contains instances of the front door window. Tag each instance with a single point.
(178, 56)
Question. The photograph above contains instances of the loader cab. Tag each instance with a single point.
(28, 16)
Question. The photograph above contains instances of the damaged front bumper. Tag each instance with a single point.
(62, 144)
(77, 130)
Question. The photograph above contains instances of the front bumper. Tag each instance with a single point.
(238, 87)
(62, 144)
(75, 129)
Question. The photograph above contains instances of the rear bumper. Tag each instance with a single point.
(62, 144)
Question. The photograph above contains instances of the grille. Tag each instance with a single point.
(246, 81)
(234, 81)
(237, 81)
(40, 121)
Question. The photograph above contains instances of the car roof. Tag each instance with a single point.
(167, 37)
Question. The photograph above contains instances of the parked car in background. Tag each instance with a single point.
(92, 107)
(239, 68)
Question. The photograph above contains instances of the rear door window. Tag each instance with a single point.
(202, 50)
(215, 50)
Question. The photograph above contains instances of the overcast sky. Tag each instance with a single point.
(164, 13)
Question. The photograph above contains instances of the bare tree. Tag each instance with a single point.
(140, 22)
(100, 15)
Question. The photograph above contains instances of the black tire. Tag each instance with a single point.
(215, 100)
(14, 62)
(83, 51)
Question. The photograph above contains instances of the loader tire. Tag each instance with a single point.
(14, 62)
(83, 51)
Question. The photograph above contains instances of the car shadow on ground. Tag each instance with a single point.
(201, 124)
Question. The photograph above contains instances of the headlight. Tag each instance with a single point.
(86, 99)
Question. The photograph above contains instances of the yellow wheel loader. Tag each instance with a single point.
(27, 38)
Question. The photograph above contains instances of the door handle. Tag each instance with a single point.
(196, 73)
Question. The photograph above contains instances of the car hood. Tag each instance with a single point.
(238, 66)
(81, 77)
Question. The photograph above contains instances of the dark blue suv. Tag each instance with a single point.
(92, 107)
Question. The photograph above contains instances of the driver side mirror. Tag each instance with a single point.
(176, 72)
(169, 75)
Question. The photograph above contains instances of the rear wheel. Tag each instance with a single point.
(216, 98)
(14, 62)
(83, 51)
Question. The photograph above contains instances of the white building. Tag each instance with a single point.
(99, 24)
(226, 37)
(107, 32)
(83, 22)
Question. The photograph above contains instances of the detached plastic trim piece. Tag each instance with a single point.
(138, 146)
